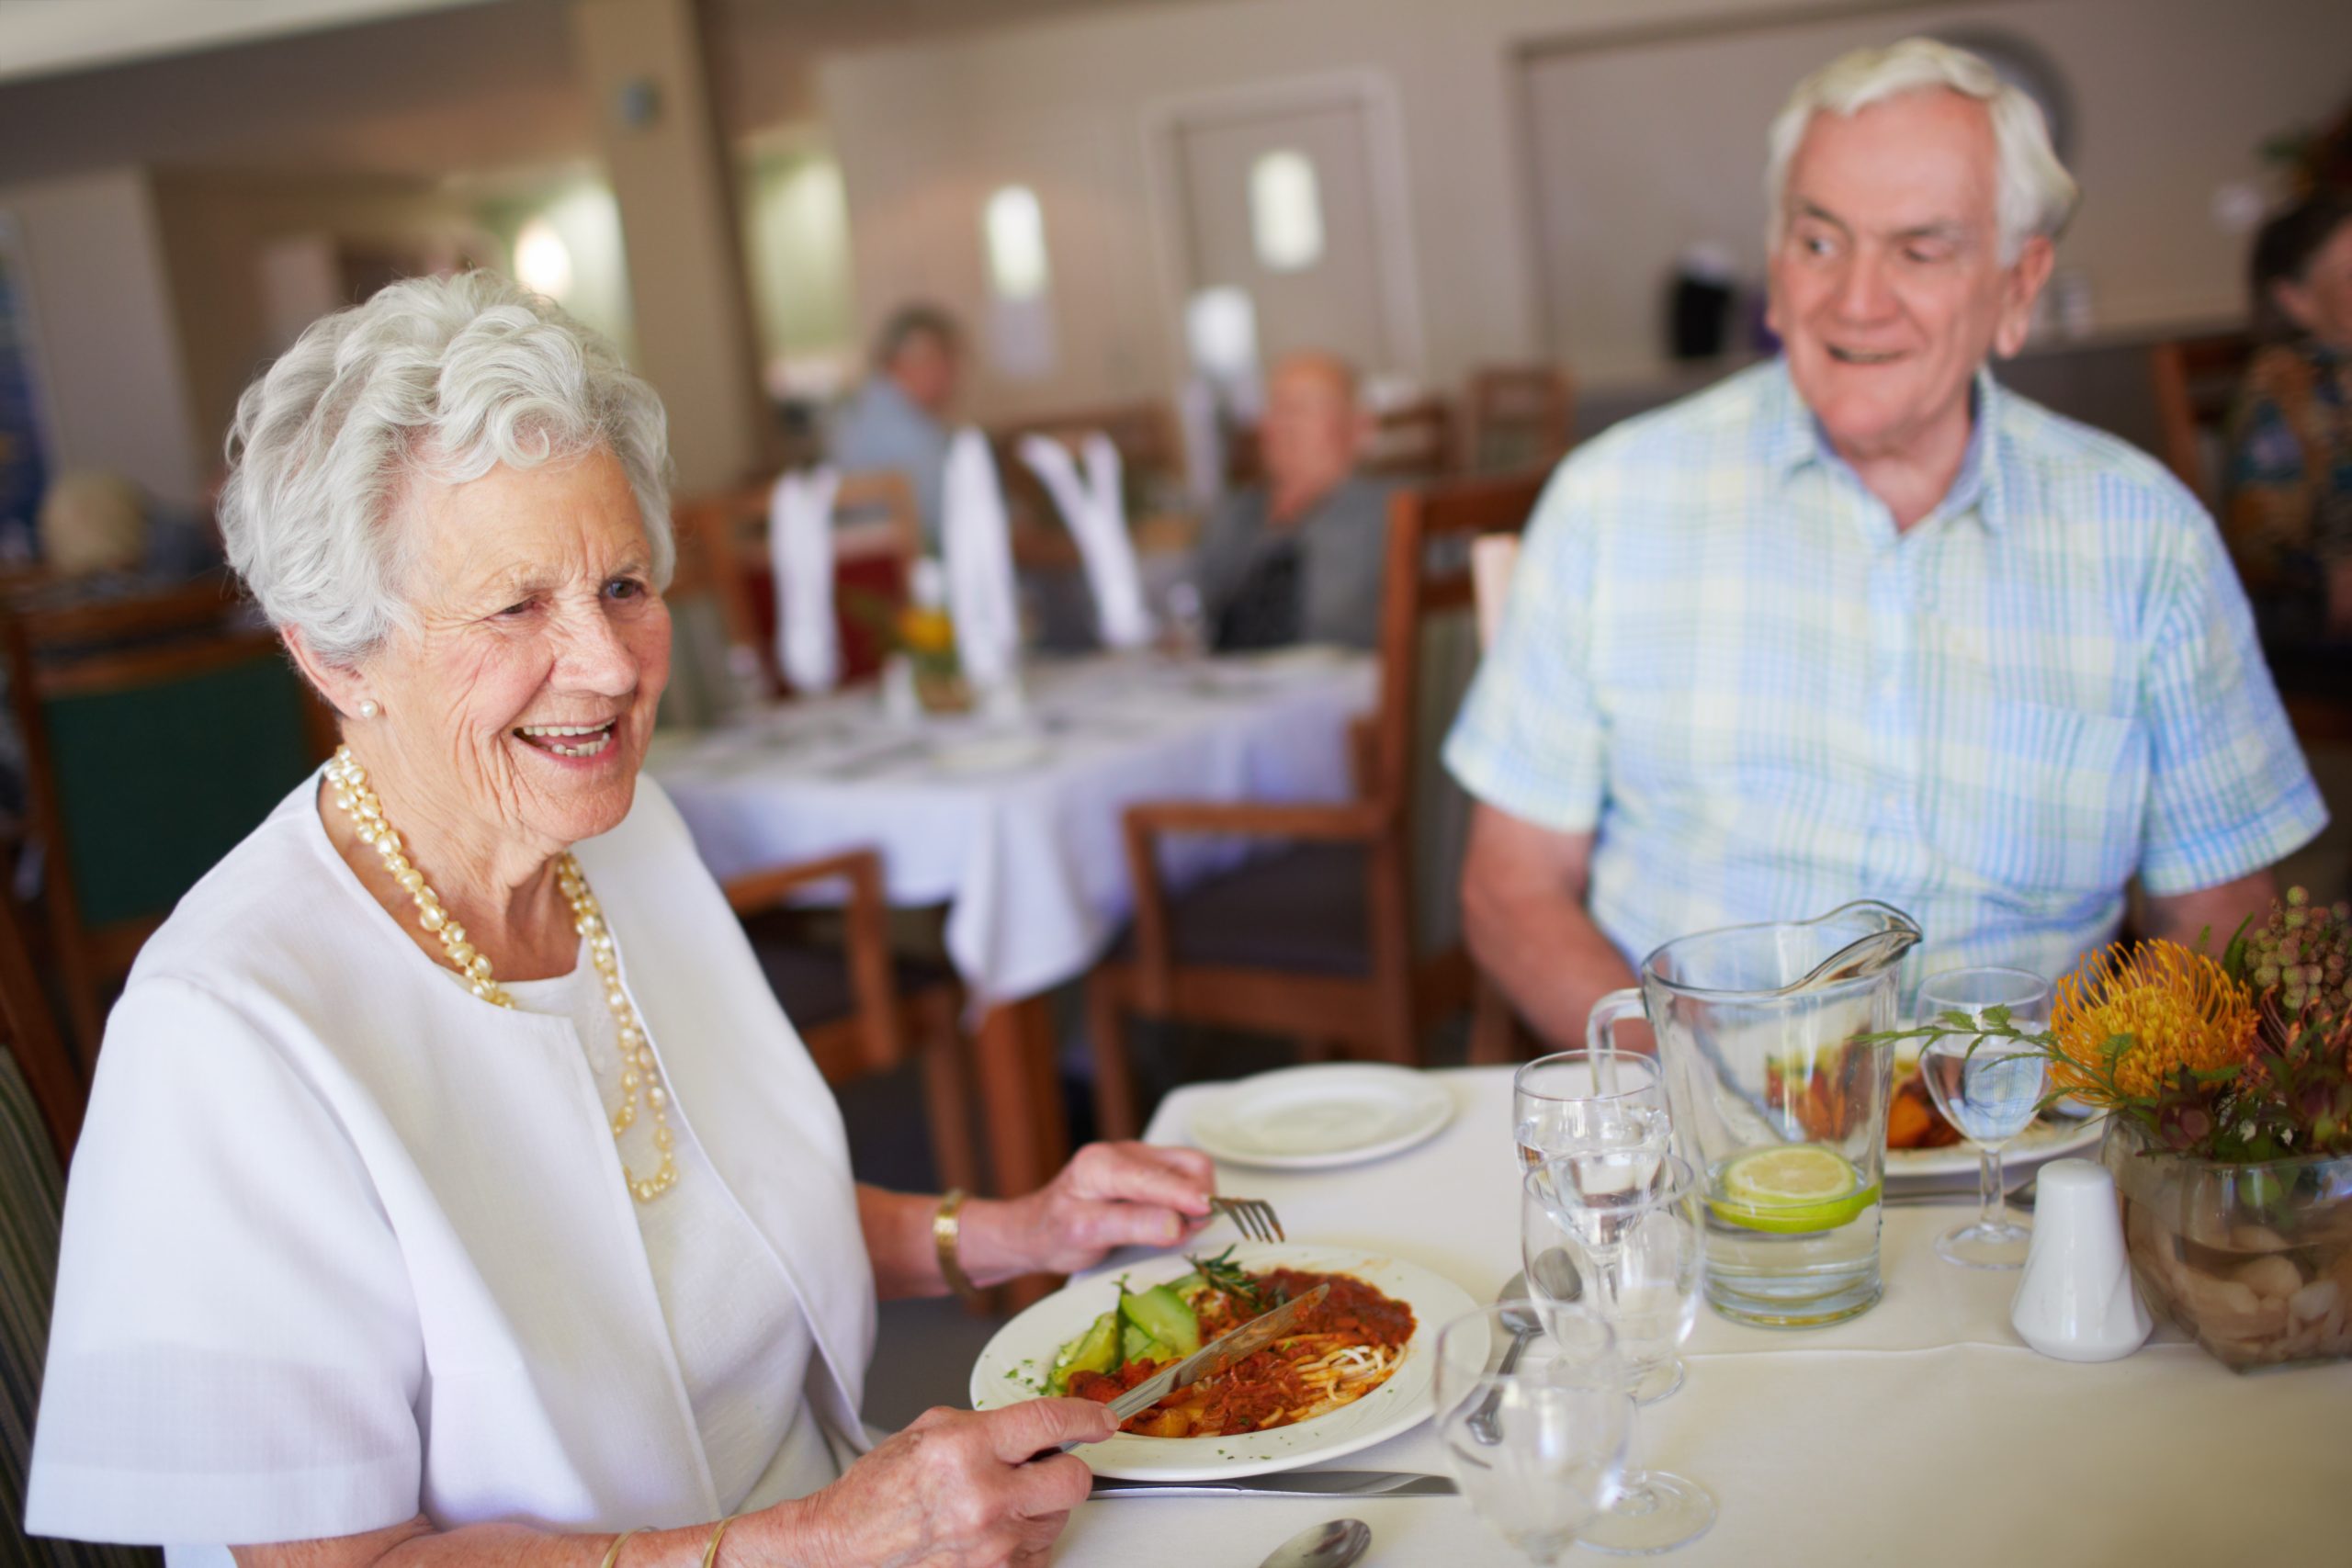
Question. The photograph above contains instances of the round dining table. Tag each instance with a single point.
(1922, 1432)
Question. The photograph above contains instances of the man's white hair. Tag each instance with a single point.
(2034, 194)
(441, 380)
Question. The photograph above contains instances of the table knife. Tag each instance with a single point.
(1289, 1484)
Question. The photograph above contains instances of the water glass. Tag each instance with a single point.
(1991, 1090)
(1637, 1254)
(1538, 1450)
(1577, 1101)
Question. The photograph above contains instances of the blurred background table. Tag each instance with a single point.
(1013, 825)
(1922, 1432)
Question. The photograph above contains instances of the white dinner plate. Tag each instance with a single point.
(2047, 1139)
(1013, 1368)
(1312, 1118)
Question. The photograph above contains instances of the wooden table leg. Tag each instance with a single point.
(1021, 1102)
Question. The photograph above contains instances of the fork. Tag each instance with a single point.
(1253, 1217)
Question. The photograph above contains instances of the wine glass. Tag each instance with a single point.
(1638, 1249)
(1537, 1451)
(1579, 1100)
(1991, 1090)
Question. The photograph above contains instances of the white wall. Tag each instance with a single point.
(922, 128)
(109, 353)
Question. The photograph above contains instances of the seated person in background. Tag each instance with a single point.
(1298, 559)
(2289, 482)
(102, 531)
(1859, 623)
(898, 419)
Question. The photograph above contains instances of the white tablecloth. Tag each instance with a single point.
(1014, 824)
(1922, 1432)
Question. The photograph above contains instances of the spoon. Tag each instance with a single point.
(1333, 1545)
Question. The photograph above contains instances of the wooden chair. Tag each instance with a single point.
(121, 701)
(857, 1007)
(2194, 380)
(1412, 441)
(28, 1032)
(1496, 1035)
(723, 550)
(1314, 940)
(1516, 416)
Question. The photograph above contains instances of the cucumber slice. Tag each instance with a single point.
(1135, 1345)
(1096, 1350)
(1161, 1313)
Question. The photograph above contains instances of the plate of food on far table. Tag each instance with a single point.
(1920, 1142)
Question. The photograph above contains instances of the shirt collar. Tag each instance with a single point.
(1793, 438)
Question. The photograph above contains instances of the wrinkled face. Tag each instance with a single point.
(1312, 430)
(1887, 285)
(518, 710)
(924, 369)
(2321, 300)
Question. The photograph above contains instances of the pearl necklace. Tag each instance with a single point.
(640, 1073)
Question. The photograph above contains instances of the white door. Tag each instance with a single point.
(1280, 206)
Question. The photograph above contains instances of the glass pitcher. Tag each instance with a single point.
(1773, 1098)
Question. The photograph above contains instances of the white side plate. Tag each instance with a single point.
(1312, 1118)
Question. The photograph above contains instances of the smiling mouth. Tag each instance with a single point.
(1856, 357)
(569, 739)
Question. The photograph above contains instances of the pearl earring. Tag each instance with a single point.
(368, 708)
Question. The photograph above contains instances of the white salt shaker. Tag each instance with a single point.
(2075, 1302)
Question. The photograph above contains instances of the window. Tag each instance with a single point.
(1014, 230)
(1285, 211)
(542, 261)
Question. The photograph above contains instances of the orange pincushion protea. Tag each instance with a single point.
(2177, 1006)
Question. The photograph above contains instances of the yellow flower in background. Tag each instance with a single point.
(2177, 1006)
(925, 631)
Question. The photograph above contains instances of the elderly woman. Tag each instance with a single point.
(453, 1191)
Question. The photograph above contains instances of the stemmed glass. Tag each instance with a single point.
(1538, 1450)
(1577, 1101)
(1637, 1245)
(1990, 1089)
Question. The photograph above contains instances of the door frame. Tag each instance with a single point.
(1372, 96)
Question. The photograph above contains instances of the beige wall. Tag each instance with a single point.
(108, 352)
(2172, 91)
(2171, 99)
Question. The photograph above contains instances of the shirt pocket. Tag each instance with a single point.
(2041, 801)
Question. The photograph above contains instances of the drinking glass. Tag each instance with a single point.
(1990, 1089)
(1580, 1100)
(1638, 1248)
(1537, 1451)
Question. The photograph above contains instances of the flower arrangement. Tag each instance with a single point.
(2239, 1059)
(921, 634)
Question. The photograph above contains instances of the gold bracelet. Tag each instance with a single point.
(710, 1552)
(612, 1552)
(946, 1230)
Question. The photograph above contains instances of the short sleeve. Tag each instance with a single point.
(1529, 738)
(2228, 790)
(235, 1355)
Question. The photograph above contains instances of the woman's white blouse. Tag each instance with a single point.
(343, 1243)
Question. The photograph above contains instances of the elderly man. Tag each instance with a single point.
(898, 420)
(1298, 559)
(1860, 623)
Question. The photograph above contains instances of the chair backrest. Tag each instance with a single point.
(1412, 440)
(1518, 416)
(2194, 380)
(723, 550)
(1433, 531)
(28, 1032)
(116, 697)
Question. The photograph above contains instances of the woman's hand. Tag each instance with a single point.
(1109, 1195)
(958, 1489)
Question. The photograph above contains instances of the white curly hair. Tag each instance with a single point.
(432, 378)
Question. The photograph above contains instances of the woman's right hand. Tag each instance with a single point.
(957, 1489)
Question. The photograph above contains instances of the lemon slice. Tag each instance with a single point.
(1789, 1188)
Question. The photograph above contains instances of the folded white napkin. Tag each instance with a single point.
(800, 547)
(978, 547)
(1098, 521)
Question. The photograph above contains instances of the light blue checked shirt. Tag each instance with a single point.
(1721, 658)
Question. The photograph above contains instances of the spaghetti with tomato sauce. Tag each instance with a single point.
(1344, 1347)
